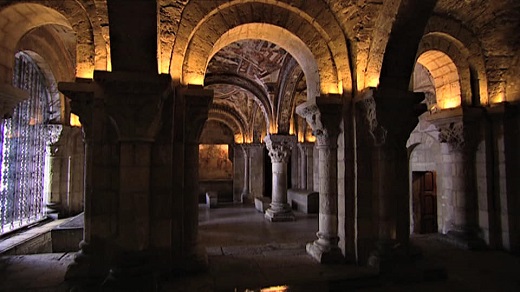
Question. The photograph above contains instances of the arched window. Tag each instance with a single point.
(23, 139)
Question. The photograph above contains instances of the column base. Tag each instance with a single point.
(133, 272)
(324, 254)
(196, 261)
(279, 216)
(246, 198)
(465, 239)
(386, 254)
(401, 264)
(87, 271)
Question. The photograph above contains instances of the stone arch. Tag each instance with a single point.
(455, 40)
(55, 98)
(24, 17)
(400, 52)
(230, 118)
(286, 95)
(321, 49)
(259, 93)
(445, 74)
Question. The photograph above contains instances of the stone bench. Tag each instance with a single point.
(262, 203)
(212, 199)
(306, 201)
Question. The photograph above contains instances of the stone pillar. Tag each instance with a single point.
(279, 147)
(197, 102)
(53, 164)
(120, 113)
(392, 115)
(324, 117)
(459, 137)
(246, 195)
(256, 174)
(306, 177)
(505, 123)
(90, 264)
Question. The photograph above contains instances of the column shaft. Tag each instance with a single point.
(279, 147)
(246, 196)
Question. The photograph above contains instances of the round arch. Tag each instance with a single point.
(55, 99)
(24, 17)
(230, 118)
(324, 45)
(259, 94)
(447, 35)
(445, 76)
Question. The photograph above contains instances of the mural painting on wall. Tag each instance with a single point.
(214, 163)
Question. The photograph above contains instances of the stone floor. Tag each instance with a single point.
(247, 253)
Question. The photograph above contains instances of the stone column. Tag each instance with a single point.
(246, 195)
(459, 136)
(279, 147)
(256, 174)
(53, 162)
(324, 117)
(119, 112)
(196, 101)
(392, 115)
(90, 263)
(306, 151)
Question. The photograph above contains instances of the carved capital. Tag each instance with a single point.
(55, 132)
(306, 147)
(134, 102)
(457, 127)
(324, 117)
(391, 114)
(367, 105)
(279, 147)
(10, 96)
(197, 102)
(82, 95)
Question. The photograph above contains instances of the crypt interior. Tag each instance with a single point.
(363, 123)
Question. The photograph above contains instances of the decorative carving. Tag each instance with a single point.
(134, 102)
(452, 134)
(458, 127)
(368, 104)
(324, 117)
(279, 147)
(55, 131)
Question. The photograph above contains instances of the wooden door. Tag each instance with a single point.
(424, 200)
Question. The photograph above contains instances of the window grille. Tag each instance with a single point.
(24, 138)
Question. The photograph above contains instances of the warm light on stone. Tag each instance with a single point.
(449, 103)
(74, 120)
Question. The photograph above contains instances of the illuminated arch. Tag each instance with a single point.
(321, 49)
(259, 94)
(446, 78)
(24, 17)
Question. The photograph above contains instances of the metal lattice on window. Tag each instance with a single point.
(23, 143)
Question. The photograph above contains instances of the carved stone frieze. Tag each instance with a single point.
(279, 147)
